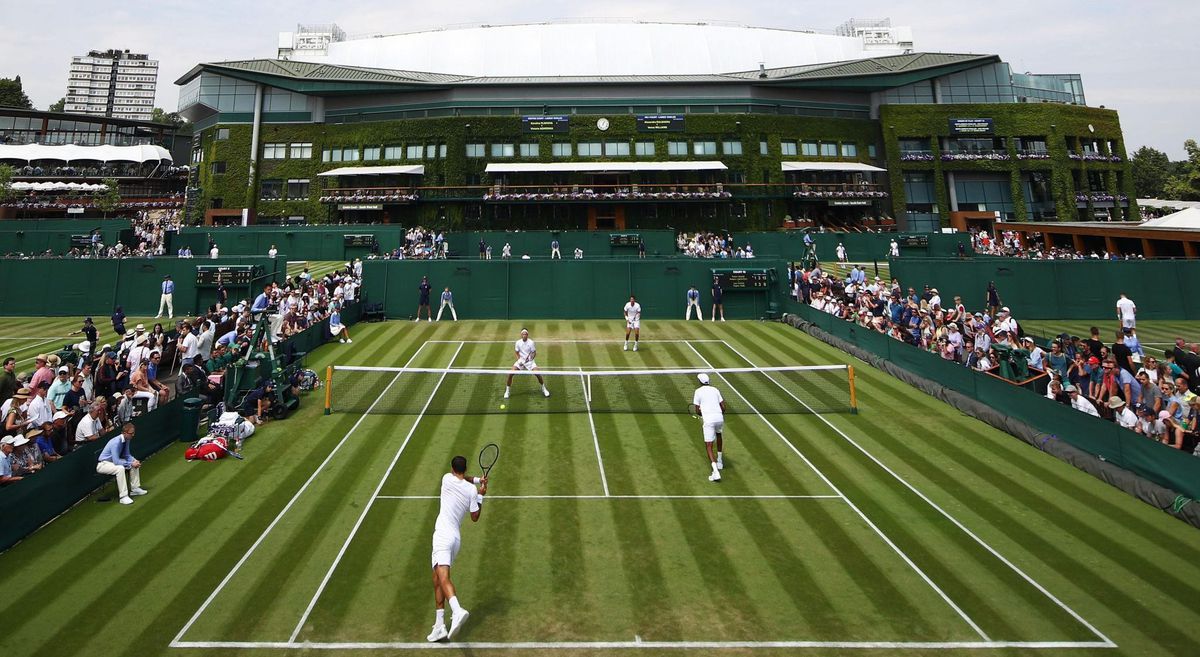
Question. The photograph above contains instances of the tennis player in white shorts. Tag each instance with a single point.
(459, 497)
(708, 402)
(633, 322)
(526, 352)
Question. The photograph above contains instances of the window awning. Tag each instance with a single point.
(599, 167)
(829, 166)
(73, 153)
(404, 169)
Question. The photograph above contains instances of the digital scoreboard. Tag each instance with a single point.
(624, 239)
(744, 279)
(660, 122)
(913, 240)
(360, 239)
(214, 275)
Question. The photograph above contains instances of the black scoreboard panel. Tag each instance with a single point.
(362, 239)
(744, 279)
(913, 240)
(214, 275)
(624, 239)
(81, 241)
(660, 122)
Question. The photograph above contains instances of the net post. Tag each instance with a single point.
(328, 389)
(853, 393)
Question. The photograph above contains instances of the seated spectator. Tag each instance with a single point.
(1079, 402)
(45, 444)
(92, 425)
(16, 419)
(117, 460)
(125, 408)
(140, 382)
(26, 457)
(1149, 425)
(164, 393)
(1121, 413)
(1151, 394)
(6, 450)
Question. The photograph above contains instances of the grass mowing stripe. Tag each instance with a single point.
(595, 437)
(942, 511)
(867, 520)
(367, 508)
(274, 522)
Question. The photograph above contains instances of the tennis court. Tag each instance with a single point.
(25, 337)
(904, 527)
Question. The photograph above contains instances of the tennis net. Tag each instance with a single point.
(460, 391)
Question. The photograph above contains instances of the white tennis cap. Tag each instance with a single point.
(702, 377)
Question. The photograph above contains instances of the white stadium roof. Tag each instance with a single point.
(598, 48)
(72, 153)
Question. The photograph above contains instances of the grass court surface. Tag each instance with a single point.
(908, 528)
(24, 338)
(1154, 334)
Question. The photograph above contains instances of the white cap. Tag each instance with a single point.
(64, 370)
(702, 378)
(60, 415)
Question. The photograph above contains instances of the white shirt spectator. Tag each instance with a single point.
(39, 411)
(1125, 417)
(87, 428)
(214, 253)
(1081, 403)
(191, 345)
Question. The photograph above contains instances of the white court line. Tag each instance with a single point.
(1107, 641)
(62, 337)
(29, 359)
(653, 645)
(625, 497)
(367, 507)
(917, 569)
(509, 342)
(320, 468)
(595, 438)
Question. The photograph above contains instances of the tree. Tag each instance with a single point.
(58, 105)
(1151, 170)
(6, 190)
(1186, 185)
(107, 199)
(12, 94)
(159, 115)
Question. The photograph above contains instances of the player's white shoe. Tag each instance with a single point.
(343, 341)
(626, 347)
(545, 392)
(457, 622)
(439, 632)
(715, 476)
(506, 394)
(349, 340)
(635, 346)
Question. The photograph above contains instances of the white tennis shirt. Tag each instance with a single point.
(458, 499)
(709, 400)
(633, 311)
(525, 349)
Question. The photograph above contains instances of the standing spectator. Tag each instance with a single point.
(718, 304)
(483, 247)
(118, 322)
(167, 300)
(1126, 311)
(272, 252)
(39, 410)
(894, 249)
(992, 300)
(506, 251)
(641, 248)
(42, 373)
(116, 459)
(578, 253)
(8, 380)
(1079, 402)
(487, 253)
(423, 302)
(447, 300)
(214, 252)
(1122, 353)
(693, 301)
(1135, 345)
(60, 387)
(189, 344)
(1093, 343)
(555, 252)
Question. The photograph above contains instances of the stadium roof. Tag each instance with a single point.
(73, 153)
(399, 169)
(329, 79)
(828, 166)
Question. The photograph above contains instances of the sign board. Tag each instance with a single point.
(555, 124)
(361, 239)
(744, 279)
(624, 239)
(214, 275)
(971, 126)
(854, 201)
(660, 122)
(360, 206)
(75, 209)
(81, 241)
(913, 241)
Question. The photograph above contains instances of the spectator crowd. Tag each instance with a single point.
(711, 245)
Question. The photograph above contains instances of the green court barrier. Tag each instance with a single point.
(299, 242)
(38, 236)
(566, 289)
(67, 287)
(1150, 460)
(1062, 289)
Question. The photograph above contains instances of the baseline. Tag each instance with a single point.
(1022, 574)
(658, 645)
(287, 507)
(896, 548)
(367, 507)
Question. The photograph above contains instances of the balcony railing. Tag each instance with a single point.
(1100, 197)
(975, 156)
(1088, 156)
(67, 201)
(916, 156)
(370, 195)
(1033, 154)
(639, 192)
(847, 190)
(147, 170)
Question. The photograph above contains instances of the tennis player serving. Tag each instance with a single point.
(526, 352)
(708, 402)
(633, 322)
(459, 497)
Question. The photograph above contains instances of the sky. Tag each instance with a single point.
(1138, 57)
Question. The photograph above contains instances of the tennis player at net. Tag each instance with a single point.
(459, 497)
(526, 352)
(708, 402)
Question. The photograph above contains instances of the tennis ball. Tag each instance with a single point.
(502, 406)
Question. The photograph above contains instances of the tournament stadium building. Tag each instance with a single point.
(610, 125)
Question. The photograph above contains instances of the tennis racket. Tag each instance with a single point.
(487, 458)
(230, 451)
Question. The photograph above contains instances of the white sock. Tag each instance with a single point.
(507, 388)
(454, 606)
(719, 459)
(544, 389)
(714, 466)
(439, 617)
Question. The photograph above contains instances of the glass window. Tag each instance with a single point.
(349, 154)
(297, 189)
(442, 151)
(431, 151)
(531, 150)
(704, 148)
(762, 147)
(616, 149)
(561, 149)
(871, 152)
(274, 151)
(788, 148)
(808, 149)
(849, 150)
(474, 150)
(326, 156)
(677, 148)
(393, 153)
(413, 152)
(222, 134)
(503, 150)
(271, 190)
(731, 147)
(644, 149)
(302, 151)
(335, 155)
(371, 153)
(589, 149)
(218, 168)
(828, 149)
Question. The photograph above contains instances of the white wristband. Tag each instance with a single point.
(475, 481)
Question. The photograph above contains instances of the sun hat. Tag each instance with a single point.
(1070, 387)
(41, 357)
(53, 360)
(8, 440)
(1115, 402)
